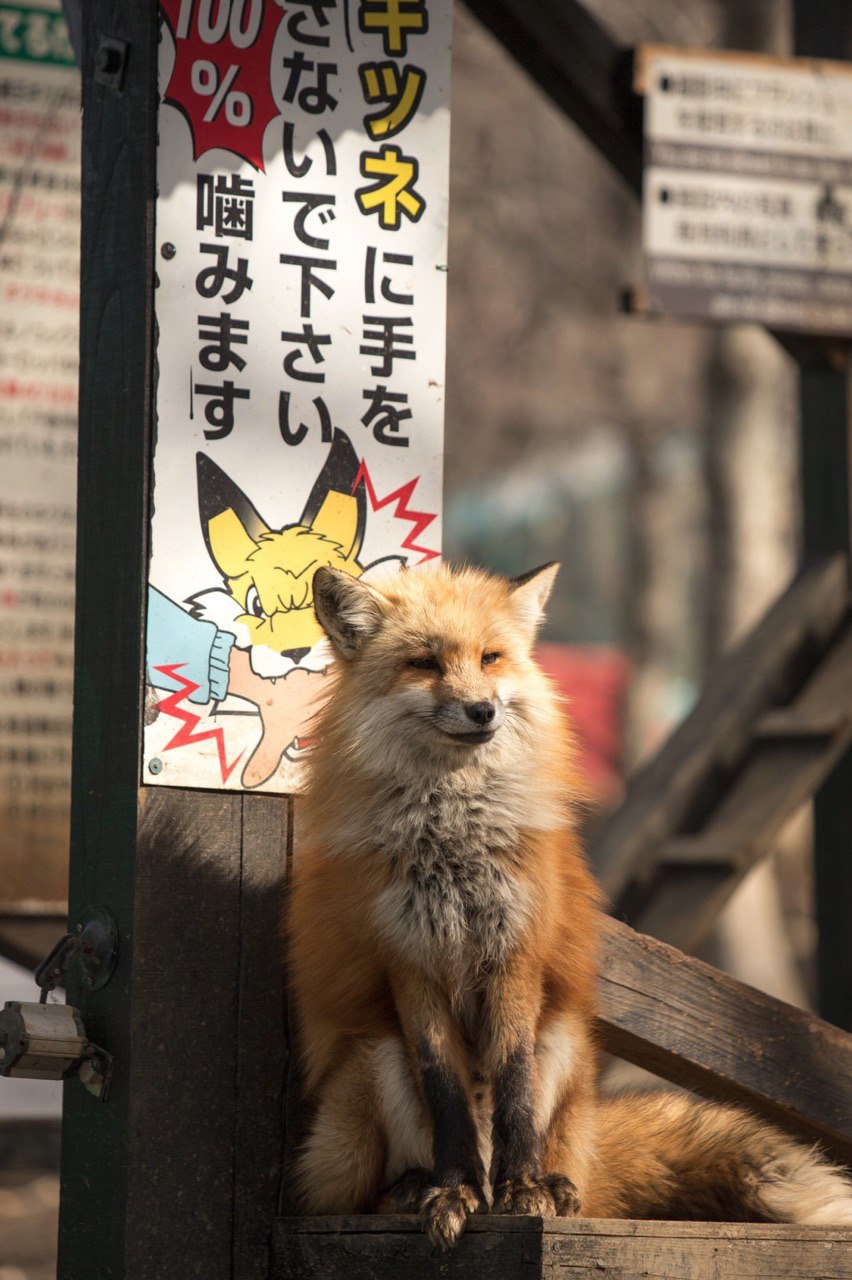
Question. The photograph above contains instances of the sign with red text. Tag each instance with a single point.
(301, 231)
(39, 338)
(747, 211)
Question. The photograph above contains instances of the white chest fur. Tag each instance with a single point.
(454, 898)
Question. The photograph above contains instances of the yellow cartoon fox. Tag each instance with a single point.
(267, 601)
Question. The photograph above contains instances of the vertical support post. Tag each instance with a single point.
(176, 1174)
(822, 29)
(116, 336)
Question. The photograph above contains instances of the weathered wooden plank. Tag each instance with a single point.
(766, 668)
(698, 1027)
(374, 1248)
(297, 1111)
(260, 1031)
(183, 1068)
(691, 1251)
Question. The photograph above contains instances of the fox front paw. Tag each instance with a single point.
(549, 1196)
(445, 1211)
(566, 1198)
(406, 1194)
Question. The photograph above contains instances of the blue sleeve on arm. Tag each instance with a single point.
(175, 637)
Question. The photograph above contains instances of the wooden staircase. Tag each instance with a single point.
(770, 725)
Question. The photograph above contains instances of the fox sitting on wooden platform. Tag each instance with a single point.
(442, 937)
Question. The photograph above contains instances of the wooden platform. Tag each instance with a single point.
(395, 1248)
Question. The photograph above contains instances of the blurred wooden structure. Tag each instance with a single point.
(177, 1173)
(28, 929)
(772, 722)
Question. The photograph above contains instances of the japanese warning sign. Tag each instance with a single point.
(301, 228)
(39, 305)
(748, 188)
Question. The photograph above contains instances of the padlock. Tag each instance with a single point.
(49, 1042)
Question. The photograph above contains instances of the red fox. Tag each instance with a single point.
(442, 939)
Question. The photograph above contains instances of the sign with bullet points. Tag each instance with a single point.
(747, 211)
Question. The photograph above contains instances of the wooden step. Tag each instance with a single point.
(696, 1026)
(771, 725)
(769, 666)
(371, 1246)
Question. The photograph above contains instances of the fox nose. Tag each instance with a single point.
(481, 713)
(296, 654)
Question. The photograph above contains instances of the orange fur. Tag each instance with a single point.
(442, 931)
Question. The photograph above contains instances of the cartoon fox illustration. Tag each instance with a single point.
(442, 939)
(268, 572)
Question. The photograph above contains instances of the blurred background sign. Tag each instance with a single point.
(748, 188)
(39, 302)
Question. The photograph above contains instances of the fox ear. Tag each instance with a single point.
(349, 611)
(229, 522)
(531, 591)
(333, 509)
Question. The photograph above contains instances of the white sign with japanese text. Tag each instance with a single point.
(748, 188)
(301, 232)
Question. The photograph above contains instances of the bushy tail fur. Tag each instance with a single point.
(670, 1156)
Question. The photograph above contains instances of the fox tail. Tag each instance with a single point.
(671, 1156)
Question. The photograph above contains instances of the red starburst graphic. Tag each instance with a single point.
(189, 719)
(220, 79)
(420, 520)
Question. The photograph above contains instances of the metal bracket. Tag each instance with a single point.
(93, 947)
(110, 62)
(98, 955)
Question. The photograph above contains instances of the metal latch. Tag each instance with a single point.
(49, 1042)
(41, 1041)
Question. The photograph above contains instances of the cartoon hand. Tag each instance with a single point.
(285, 706)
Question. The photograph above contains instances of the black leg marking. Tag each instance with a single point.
(516, 1144)
(458, 1174)
(456, 1152)
(519, 1187)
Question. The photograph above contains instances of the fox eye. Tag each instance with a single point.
(425, 664)
(488, 658)
(253, 604)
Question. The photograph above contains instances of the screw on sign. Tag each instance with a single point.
(220, 81)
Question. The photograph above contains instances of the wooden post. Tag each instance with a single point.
(822, 30)
(176, 1174)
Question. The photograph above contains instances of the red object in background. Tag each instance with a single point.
(594, 681)
(221, 76)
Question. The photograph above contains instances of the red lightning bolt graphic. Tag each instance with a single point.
(184, 736)
(401, 496)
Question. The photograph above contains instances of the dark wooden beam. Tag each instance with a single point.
(823, 29)
(698, 1027)
(586, 72)
(556, 1249)
(176, 1173)
(116, 353)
